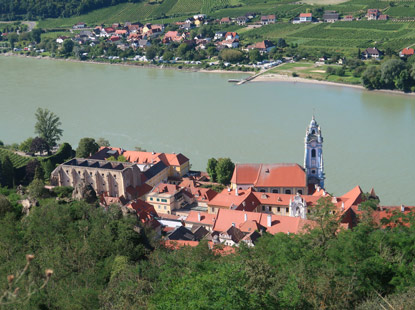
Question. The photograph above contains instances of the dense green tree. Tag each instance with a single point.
(151, 52)
(5, 206)
(86, 147)
(254, 56)
(7, 172)
(183, 49)
(36, 33)
(224, 170)
(31, 167)
(12, 38)
(211, 169)
(25, 146)
(371, 78)
(48, 167)
(168, 55)
(67, 47)
(281, 43)
(103, 142)
(38, 145)
(231, 55)
(47, 127)
(390, 71)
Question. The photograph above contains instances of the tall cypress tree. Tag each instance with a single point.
(7, 172)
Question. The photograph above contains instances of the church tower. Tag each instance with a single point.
(313, 156)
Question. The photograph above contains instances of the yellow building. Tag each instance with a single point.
(166, 198)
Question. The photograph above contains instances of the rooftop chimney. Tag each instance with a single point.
(236, 191)
(402, 208)
(342, 206)
(245, 217)
(198, 217)
(269, 220)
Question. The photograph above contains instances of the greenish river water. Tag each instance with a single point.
(368, 137)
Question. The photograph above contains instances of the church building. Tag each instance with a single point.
(286, 178)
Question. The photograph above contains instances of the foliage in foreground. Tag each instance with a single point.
(100, 262)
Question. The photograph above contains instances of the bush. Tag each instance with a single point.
(37, 189)
(63, 191)
(5, 205)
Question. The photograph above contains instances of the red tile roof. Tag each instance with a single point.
(201, 194)
(177, 244)
(408, 51)
(306, 15)
(205, 218)
(245, 200)
(226, 218)
(269, 175)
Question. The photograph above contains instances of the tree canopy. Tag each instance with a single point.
(48, 127)
(86, 147)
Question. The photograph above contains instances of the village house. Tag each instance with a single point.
(268, 19)
(330, 16)
(225, 20)
(241, 20)
(234, 200)
(144, 43)
(264, 46)
(219, 35)
(372, 52)
(172, 36)
(372, 14)
(60, 39)
(167, 197)
(203, 219)
(79, 25)
(303, 18)
(348, 18)
(383, 17)
(406, 52)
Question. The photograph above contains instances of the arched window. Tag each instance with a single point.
(313, 132)
(288, 191)
(313, 153)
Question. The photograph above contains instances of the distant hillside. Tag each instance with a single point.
(35, 9)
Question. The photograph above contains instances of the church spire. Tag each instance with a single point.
(313, 155)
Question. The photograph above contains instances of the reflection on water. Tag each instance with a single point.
(368, 136)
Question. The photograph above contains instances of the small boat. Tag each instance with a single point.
(234, 81)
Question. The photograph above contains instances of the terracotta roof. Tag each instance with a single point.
(177, 244)
(164, 188)
(284, 224)
(143, 209)
(408, 51)
(201, 194)
(306, 15)
(205, 218)
(245, 200)
(269, 175)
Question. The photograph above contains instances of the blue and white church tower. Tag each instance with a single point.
(313, 156)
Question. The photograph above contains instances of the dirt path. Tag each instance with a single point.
(30, 25)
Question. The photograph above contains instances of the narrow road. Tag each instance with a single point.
(30, 25)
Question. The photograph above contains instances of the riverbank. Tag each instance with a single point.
(285, 78)
(179, 67)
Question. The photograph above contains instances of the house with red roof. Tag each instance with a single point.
(234, 200)
(268, 19)
(264, 46)
(197, 218)
(306, 17)
(168, 197)
(372, 14)
(225, 20)
(270, 178)
(406, 52)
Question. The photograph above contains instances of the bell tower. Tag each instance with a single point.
(313, 156)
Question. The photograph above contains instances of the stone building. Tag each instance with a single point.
(107, 178)
(313, 155)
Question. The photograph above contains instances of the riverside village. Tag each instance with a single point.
(185, 207)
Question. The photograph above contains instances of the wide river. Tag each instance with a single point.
(369, 138)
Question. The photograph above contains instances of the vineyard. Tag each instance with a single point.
(186, 6)
(17, 160)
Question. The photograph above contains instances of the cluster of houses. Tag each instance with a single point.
(180, 205)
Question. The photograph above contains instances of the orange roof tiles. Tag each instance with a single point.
(408, 51)
(164, 188)
(245, 200)
(205, 218)
(269, 175)
(226, 218)
(306, 15)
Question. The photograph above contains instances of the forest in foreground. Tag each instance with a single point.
(73, 255)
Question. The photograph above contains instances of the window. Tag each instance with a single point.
(164, 200)
(288, 191)
(313, 153)
(151, 199)
(313, 171)
(313, 132)
(158, 199)
(275, 191)
(287, 210)
(300, 191)
(165, 207)
(158, 207)
(279, 209)
(262, 190)
(263, 208)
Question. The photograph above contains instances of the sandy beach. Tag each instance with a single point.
(285, 78)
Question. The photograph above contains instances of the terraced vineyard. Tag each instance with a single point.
(17, 160)
(186, 6)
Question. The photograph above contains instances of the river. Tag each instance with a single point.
(368, 137)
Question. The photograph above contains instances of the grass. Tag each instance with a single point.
(17, 160)
(312, 71)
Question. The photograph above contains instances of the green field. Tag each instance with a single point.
(17, 160)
